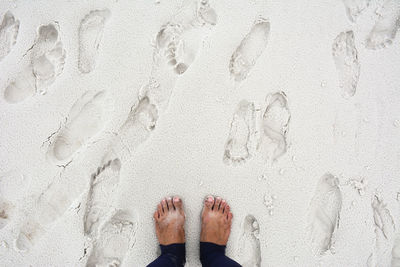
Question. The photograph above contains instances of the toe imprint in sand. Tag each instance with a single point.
(345, 56)
(355, 7)
(116, 237)
(275, 125)
(47, 58)
(90, 36)
(87, 117)
(8, 33)
(249, 252)
(238, 147)
(386, 26)
(384, 234)
(249, 50)
(99, 203)
(324, 214)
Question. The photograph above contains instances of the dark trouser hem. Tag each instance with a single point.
(173, 255)
(213, 255)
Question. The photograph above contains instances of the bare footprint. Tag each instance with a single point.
(386, 26)
(249, 251)
(49, 207)
(384, 234)
(136, 129)
(178, 41)
(87, 117)
(8, 33)
(101, 197)
(239, 146)
(90, 36)
(275, 125)
(347, 65)
(249, 50)
(324, 214)
(354, 8)
(47, 58)
(176, 45)
(144, 114)
(116, 237)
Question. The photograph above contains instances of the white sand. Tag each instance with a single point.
(79, 181)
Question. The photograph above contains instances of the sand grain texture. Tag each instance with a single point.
(288, 111)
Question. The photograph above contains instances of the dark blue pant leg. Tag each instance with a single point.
(171, 256)
(213, 255)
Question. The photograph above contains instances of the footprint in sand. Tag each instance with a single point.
(8, 33)
(354, 8)
(176, 46)
(50, 206)
(178, 41)
(144, 114)
(384, 234)
(99, 202)
(116, 237)
(386, 26)
(136, 129)
(239, 146)
(46, 63)
(396, 252)
(275, 125)
(249, 50)
(87, 117)
(347, 65)
(249, 252)
(90, 36)
(324, 214)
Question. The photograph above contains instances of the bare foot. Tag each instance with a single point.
(170, 221)
(216, 221)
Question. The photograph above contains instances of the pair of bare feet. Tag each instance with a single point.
(216, 220)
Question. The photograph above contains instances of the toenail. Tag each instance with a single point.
(209, 199)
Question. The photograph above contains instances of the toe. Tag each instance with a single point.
(164, 205)
(217, 203)
(169, 204)
(177, 202)
(159, 209)
(209, 202)
(230, 216)
(227, 210)
(155, 215)
(222, 206)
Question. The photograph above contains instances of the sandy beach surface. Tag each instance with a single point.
(290, 110)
